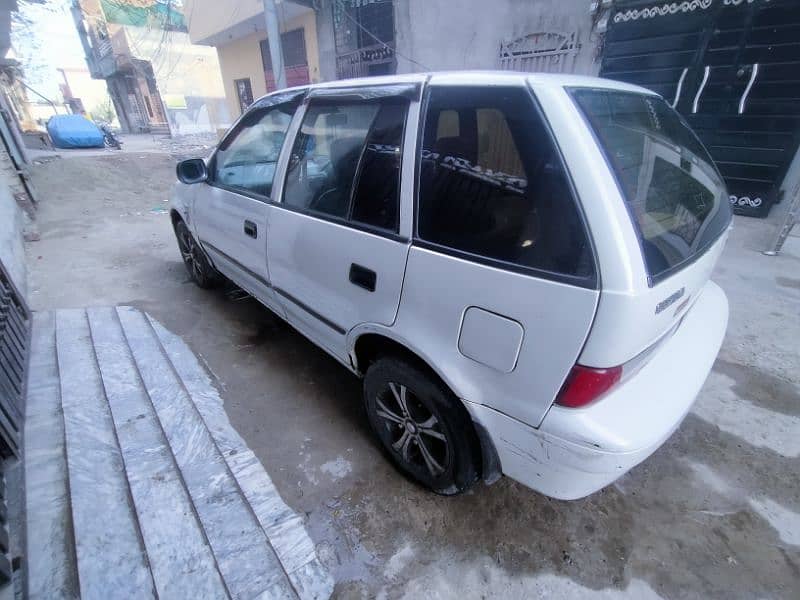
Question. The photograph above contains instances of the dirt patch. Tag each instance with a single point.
(762, 388)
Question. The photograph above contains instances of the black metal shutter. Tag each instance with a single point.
(734, 69)
(14, 346)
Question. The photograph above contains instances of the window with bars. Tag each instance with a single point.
(364, 37)
(293, 46)
(357, 24)
(293, 49)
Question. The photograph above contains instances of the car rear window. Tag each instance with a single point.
(675, 195)
(493, 188)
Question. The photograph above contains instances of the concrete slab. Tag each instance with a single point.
(245, 558)
(177, 551)
(51, 554)
(108, 544)
(284, 528)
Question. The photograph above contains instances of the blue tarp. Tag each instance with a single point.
(74, 131)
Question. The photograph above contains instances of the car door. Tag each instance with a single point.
(335, 246)
(230, 213)
(501, 284)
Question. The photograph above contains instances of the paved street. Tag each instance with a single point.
(715, 513)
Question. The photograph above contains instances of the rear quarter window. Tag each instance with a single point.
(673, 191)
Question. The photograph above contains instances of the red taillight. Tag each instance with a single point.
(585, 384)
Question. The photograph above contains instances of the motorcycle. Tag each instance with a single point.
(109, 138)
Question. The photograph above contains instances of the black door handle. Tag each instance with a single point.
(250, 229)
(363, 277)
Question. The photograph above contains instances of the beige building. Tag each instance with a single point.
(238, 32)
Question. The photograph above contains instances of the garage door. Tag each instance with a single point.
(732, 68)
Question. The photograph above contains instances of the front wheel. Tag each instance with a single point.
(421, 426)
(194, 259)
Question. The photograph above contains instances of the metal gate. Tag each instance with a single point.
(14, 340)
(730, 67)
(542, 52)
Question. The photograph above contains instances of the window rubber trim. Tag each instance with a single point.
(355, 93)
(240, 191)
(341, 221)
(591, 282)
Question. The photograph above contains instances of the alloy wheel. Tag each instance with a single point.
(189, 252)
(412, 430)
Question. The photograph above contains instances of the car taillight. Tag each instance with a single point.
(585, 384)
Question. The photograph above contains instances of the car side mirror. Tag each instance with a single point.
(192, 171)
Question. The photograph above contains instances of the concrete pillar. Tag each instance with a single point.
(326, 41)
(274, 41)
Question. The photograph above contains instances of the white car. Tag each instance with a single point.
(518, 265)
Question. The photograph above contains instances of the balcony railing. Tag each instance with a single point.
(377, 59)
(104, 48)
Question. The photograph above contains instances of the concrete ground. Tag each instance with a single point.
(715, 513)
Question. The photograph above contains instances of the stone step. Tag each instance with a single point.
(108, 544)
(284, 528)
(137, 484)
(163, 506)
(50, 550)
(246, 560)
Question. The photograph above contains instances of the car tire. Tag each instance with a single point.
(421, 426)
(194, 259)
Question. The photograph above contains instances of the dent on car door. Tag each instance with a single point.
(336, 256)
(231, 212)
(499, 290)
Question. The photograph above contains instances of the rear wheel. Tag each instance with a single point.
(194, 259)
(421, 426)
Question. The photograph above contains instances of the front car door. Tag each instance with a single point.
(336, 247)
(230, 213)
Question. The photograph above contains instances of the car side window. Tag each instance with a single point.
(345, 162)
(492, 182)
(376, 199)
(246, 160)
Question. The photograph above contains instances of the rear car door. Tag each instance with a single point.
(501, 282)
(335, 248)
(230, 213)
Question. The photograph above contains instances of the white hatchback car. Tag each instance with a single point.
(518, 265)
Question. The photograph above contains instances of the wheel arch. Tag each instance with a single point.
(175, 216)
(371, 343)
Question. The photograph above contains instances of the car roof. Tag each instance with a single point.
(488, 78)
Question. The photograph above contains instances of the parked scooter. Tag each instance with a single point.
(109, 138)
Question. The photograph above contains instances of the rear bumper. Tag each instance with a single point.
(576, 452)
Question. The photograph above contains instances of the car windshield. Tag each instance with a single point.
(675, 195)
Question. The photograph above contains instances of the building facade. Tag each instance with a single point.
(158, 80)
(322, 40)
(729, 66)
(238, 32)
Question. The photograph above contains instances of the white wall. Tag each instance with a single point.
(448, 35)
(12, 250)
